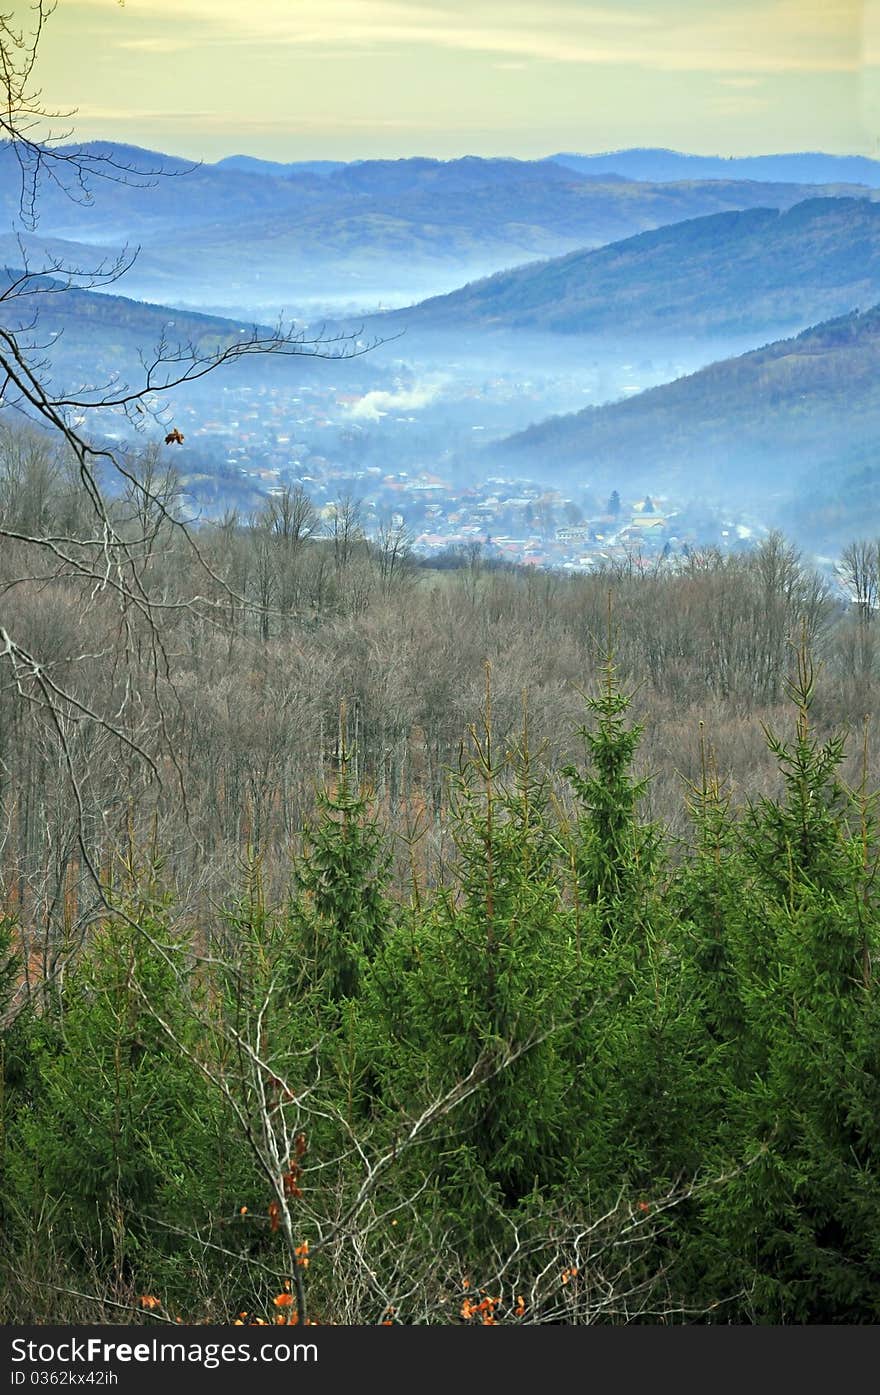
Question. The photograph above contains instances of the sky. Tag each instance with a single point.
(354, 79)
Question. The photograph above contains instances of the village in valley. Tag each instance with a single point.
(263, 440)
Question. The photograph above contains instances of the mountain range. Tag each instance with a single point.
(650, 165)
(721, 262)
(657, 166)
(244, 242)
(758, 271)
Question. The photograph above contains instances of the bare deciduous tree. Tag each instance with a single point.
(106, 551)
(859, 570)
(393, 542)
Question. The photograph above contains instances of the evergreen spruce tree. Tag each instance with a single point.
(616, 854)
(709, 897)
(803, 1218)
(341, 911)
(646, 1062)
(121, 1140)
(485, 980)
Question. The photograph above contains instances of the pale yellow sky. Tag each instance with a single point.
(344, 79)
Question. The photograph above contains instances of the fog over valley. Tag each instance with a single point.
(494, 320)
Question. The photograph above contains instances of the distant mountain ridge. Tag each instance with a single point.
(408, 228)
(642, 164)
(759, 270)
(249, 164)
(659, 166)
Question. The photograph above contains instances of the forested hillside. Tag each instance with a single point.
(470, 946)
(760, 270)
(90, 339)
(752, 425)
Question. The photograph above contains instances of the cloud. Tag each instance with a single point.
(131, 116)
(157, 44)
(397, 77)
(674, 35)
